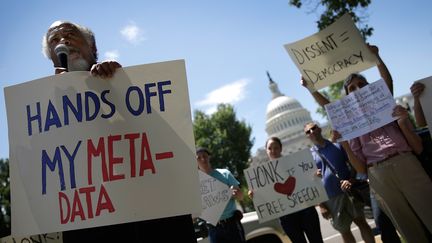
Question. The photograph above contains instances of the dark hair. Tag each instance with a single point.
(276, 139)
(350, 77)
(202, 149)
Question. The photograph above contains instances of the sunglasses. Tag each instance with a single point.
(311, 129)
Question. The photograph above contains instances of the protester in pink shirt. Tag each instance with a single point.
(401, 185)
(397, 179)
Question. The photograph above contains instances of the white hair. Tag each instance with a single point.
(87, 33)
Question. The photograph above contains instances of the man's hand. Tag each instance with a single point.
(318, 173)
(105, 69)
(373, 49)
(400, 112)
(307, 85)
(324, 211)
(334, 136)
(417, 89)
(236, 193)
(345, 185)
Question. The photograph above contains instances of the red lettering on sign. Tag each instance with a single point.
(83, 198)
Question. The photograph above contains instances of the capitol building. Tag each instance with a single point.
(285, 118)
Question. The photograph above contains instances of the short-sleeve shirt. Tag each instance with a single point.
(336, 156)
(227, 178)
(380, 144)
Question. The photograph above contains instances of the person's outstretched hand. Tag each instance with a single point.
(307, 85)
(105, 69)
(373, 49)
(401, 113)
(417, 89)
(334, 136)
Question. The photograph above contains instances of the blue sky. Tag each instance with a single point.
(228, 46)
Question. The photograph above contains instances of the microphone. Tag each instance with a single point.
(62, 52)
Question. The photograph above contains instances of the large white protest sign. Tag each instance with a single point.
(214, 197)
(330, 55)
(43, 238)
(426, 100)
(285, 185)
(362, 111)
(87, 152)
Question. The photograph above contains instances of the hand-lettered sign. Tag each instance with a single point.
(362, 111)
(285, 185)
(426, 100)
(214, 197)
(330, 55)
(87, 152)
(43, 238)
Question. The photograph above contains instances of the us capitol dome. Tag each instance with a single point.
(285, 118)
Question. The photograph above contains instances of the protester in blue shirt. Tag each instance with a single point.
(341, 209)
(229, 228)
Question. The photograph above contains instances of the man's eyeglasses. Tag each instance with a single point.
(310, 130)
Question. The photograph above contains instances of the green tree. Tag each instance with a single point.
(228, 139)
(333, 9)
(5, 210)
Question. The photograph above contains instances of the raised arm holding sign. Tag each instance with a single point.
(333, 53)
(388, 146)
(421, 91)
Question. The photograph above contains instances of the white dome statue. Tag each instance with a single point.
(285, 116)
(285, 120)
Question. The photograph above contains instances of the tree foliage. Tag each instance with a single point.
(228, 139)
(5, 210)
(333, 9)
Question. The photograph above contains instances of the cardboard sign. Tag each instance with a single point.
(426, 100)
(87, 152)
(332, 54)
(362, 111)
(285, 185)
(44, 238)
(214, 197)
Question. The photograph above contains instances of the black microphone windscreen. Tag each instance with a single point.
(62, 52)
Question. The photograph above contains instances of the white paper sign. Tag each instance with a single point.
(285, 185)
(215, 195)
(362, 111)
(330, 55)
(426, 100)
(87, 152)
(44, 238)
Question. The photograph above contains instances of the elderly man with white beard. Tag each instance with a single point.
(72, 47)
(79, 45)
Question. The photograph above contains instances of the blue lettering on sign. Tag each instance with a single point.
(87, 106)
(136, 99)
(57, 162)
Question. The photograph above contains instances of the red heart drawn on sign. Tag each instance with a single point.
(287, 187)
